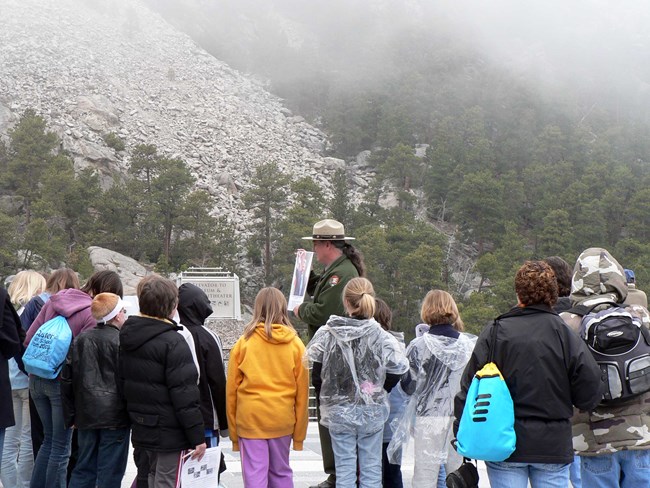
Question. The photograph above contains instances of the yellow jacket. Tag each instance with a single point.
(268, 387)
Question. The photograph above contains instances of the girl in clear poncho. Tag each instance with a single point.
(437, 360)
(355, 364)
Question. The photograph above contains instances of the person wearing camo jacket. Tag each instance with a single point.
(613, 441)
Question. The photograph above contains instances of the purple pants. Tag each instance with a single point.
(265, 462)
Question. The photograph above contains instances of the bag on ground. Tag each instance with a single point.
(48, 348)
(464, 477)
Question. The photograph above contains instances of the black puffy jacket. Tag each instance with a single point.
(193, 308)
(159, 378)
(548, 369)
(90, 381)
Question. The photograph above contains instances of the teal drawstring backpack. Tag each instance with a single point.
(47, 350)
(487, 425)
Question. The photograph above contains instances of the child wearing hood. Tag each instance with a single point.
(193, 309)
(613, 441)
(267, 393)
(437, 359)
(355, 365)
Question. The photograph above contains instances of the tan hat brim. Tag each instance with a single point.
(312, 238)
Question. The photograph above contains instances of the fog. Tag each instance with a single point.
(598, 46)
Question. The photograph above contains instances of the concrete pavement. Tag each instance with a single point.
(307, 465)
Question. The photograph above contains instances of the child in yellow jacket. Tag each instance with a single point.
(267, 393)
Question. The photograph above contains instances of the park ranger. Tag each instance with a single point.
(342, 263)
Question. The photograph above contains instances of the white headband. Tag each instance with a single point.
(114, 312)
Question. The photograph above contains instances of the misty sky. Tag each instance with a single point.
(602, 46)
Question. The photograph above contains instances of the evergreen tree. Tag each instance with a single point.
(339, 204)
(31, 150)
(296, 223)
(210, 241)
(480, 207)
(169, 189)
(266, 200)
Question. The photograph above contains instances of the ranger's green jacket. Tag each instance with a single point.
(327, 294)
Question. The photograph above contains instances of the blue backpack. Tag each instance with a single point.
(48, 348)
(487, 426)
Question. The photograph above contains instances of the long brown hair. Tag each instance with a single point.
(270, 308)
(62, 279)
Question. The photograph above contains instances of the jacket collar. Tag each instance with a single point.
(336, 262)
(527, 310)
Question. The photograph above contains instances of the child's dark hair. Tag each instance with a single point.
(383, 314)
(104, 281)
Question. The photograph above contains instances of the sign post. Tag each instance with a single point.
(221, 287)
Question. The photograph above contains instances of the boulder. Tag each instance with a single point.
(362, 158)
(130, 271)
(97, 112)
(334, 163)
(224, 179)
(388, 200)
(421, 150)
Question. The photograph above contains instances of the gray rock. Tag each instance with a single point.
(97, 112)
(360, 182)
(130, 271)
(362, 158)
(388, 200)
(224, 179)
(421, 150)
(334, 163)
(64, 58)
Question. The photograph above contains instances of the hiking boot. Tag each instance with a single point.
(330, 482)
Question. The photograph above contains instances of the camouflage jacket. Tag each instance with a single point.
(612, 428)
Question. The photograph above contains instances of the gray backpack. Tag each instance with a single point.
(620, 344)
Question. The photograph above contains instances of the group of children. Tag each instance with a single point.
(374, 393)
(163, 385)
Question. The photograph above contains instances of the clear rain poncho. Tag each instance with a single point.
(436, 366)
(356, 355)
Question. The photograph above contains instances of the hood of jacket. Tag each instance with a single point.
(138, 330)
(398, 335)
(597, 277)
(453, 353)
(193, 305)
(280, 334)
(347, 328)
(70, 301)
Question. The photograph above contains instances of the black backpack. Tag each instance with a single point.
(620, 344)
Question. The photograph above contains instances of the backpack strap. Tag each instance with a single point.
(583, 310)
(492, 345)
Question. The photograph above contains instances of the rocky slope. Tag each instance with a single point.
(91, 68)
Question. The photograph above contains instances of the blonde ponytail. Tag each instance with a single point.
(359, 298)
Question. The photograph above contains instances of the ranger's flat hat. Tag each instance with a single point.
(328, 230)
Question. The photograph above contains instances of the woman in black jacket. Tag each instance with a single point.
(548, 369)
